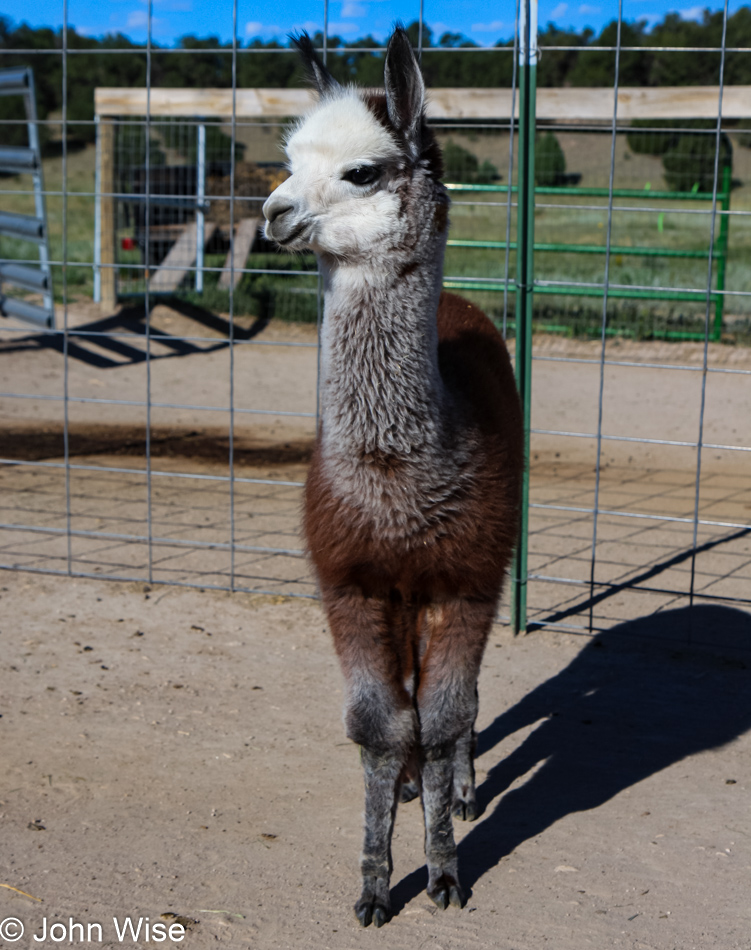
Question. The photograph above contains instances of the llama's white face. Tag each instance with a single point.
(340, 198)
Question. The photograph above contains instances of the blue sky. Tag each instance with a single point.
(483, 21)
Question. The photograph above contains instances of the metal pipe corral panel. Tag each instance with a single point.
(14, 82)
(13, 307)
(22, 276)
(21, 225)
(18, 159)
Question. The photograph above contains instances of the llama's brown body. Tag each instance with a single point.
(466, 556)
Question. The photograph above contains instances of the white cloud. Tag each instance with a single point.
(693, 13)
(310, 26)
(487, 27)
(559, 11)
(256, 28)
(344, 27)
(587, 8)
(350, 9)
(137, 20)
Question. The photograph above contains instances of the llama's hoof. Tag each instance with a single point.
(446, 891)
(409, 792)
(464, 811)
(369, 910)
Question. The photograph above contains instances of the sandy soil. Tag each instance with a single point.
(170, 751)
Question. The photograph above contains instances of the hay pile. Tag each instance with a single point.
(251, 181)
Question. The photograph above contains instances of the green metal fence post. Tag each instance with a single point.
(721, 252)
(525, 237)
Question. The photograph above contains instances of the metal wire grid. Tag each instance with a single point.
(598, 591)
(233, 481)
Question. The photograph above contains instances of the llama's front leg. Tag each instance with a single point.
(380, 718)
(381, 778)
(447, 704)
(440, 847)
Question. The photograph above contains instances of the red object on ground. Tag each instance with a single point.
(128, 244)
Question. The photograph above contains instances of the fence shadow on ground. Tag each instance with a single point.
(637, 699)
(103, 343)
(635, 580)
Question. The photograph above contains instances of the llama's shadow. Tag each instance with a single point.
(634, 701)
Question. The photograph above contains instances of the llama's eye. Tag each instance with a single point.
(362, 174)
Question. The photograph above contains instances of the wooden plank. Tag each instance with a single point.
(245, 235)
(108, 297)
(595, 104)
(203, 102)
(181, 257)
(669, 102)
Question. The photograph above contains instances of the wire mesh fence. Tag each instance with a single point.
(161, 432)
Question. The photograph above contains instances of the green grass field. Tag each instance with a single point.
(78, 212)
(477, 216)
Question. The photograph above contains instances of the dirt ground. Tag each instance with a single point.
(172, 751)
(179, 750)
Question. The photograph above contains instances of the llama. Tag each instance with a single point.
(411, 501)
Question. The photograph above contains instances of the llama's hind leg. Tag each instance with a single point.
(409, 780)
(447, 704)
(464, 805)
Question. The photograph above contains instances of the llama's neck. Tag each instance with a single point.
(392, 444)
(382, 396)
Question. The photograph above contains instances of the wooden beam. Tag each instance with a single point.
(194, 103)
(181, 257)
(107, 256)
(245, 235)
(668, 102)
(595, 104)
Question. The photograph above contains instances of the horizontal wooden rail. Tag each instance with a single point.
(595, 104)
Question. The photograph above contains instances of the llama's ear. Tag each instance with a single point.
(317, 72)
(405, 90)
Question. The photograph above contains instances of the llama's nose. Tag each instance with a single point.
(275, 207)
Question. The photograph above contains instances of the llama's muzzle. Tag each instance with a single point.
(283, 221)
